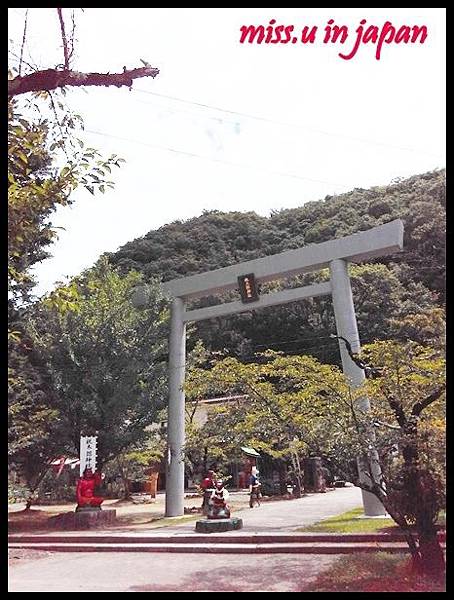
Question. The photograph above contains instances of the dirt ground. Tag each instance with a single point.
(21, 556)
(141, 512)
(166, 572)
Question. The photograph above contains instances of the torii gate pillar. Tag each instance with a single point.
(346, 325)
(175, 421)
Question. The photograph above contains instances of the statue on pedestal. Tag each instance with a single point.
(217, 504)
(218, 512)
(85, 491)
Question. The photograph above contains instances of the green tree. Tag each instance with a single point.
(289, 402)
(37, 186)
(408, 402)
(133, 463)
(427, 328)
(296, 405)
(107, 360)
(33, 416)
(47, 161)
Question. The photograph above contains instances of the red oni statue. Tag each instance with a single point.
(207, 485)
(85, 490)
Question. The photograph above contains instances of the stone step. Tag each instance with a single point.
(194, 538)
(212, 547)
(220, 548)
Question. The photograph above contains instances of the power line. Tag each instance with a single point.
(313, 339)
(220, 119)
(321, 350)
(216, 160)
(280, 343)
(286, 124)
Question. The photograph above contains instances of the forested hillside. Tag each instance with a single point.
(386, 292)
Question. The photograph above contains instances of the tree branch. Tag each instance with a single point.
(396, 406)
(22, 61)
(23, 42)
(51, 79)
(63, 37)
(369, 372)
(71, 52)
(420, 406)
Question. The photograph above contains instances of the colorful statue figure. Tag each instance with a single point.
(85, 490)
(254, 488)
(217, 505)
(207, 485)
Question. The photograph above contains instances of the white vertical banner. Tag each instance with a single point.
(88, 448)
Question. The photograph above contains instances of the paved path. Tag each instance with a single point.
(279, 516)
(287, 515)
(193, 572)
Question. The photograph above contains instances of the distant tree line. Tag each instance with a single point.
(386, 291)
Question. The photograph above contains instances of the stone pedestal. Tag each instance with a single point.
(85, 518)
(218, 525)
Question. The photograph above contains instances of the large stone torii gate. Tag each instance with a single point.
(334, 254)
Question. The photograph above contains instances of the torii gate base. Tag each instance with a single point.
(336, 255)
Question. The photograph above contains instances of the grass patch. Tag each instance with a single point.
(153, 522)
(168, 521)
(379, 572)
(349, 522)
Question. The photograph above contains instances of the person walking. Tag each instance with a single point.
(254, 488)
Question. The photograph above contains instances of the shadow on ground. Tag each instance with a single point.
(282, 576)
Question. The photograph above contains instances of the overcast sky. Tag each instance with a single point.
(233, 126)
